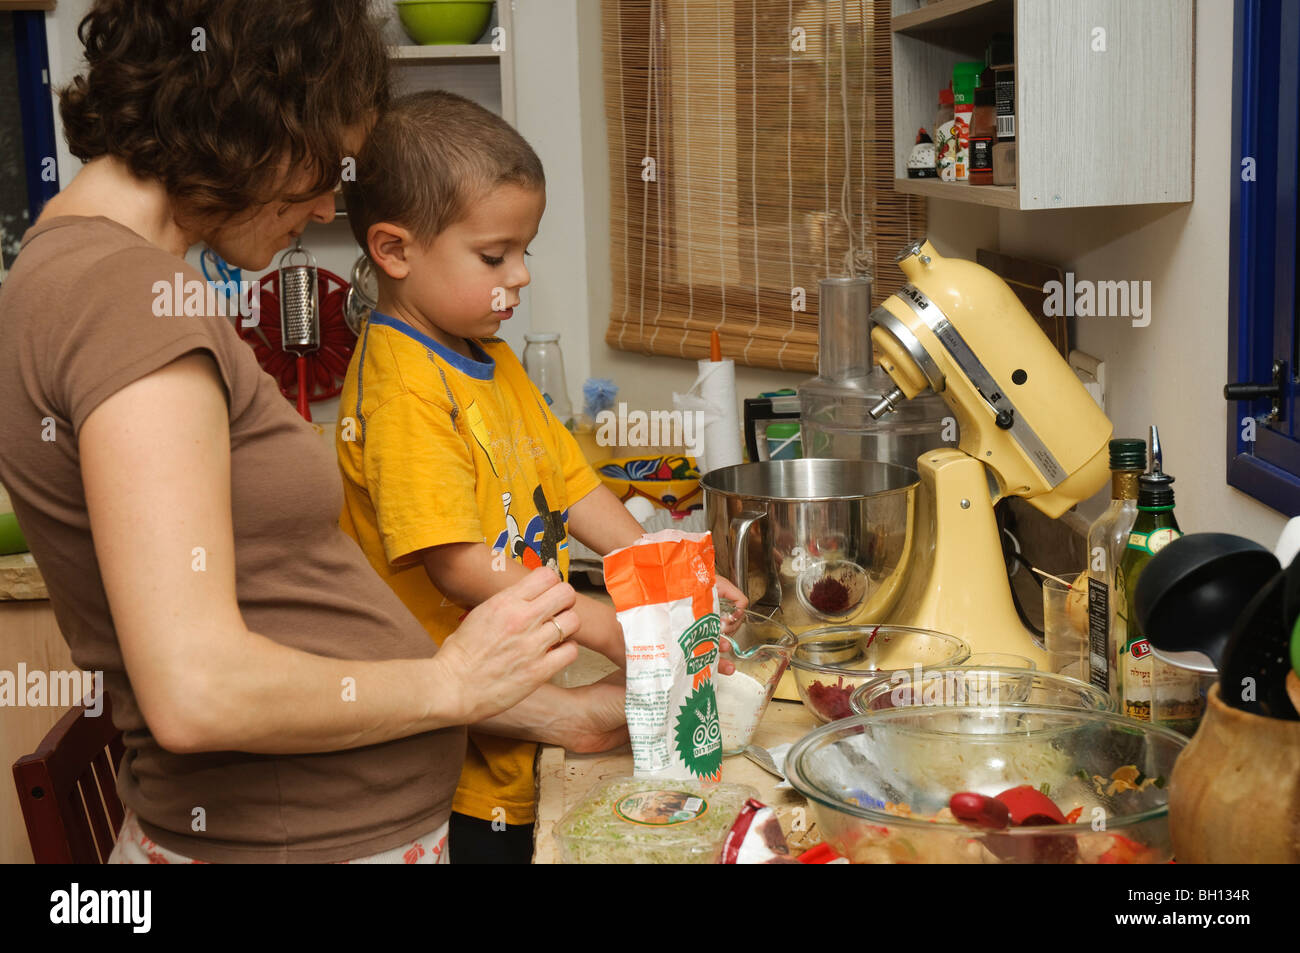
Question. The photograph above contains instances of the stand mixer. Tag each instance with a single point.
(1028, 429)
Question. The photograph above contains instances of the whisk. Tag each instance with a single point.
(299, 314)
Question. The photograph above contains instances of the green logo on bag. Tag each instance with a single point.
(700, 644)
(699, 735)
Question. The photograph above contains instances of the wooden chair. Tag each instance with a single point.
(68, 789)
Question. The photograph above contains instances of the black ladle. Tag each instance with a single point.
(1257, 657)
(1192, 594)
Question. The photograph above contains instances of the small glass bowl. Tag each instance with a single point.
(760, 649)
(832, 661)
(958, 686)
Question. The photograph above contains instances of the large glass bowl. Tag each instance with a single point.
(876, 783)
(830, 662)
(955, 685)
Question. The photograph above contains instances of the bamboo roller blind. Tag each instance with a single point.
(726, 125)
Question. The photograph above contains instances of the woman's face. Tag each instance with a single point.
(252, 242)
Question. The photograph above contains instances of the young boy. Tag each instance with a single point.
(458, 480)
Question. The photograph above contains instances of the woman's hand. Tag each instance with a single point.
(510, 645)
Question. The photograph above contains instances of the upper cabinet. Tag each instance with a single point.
(1104, 96)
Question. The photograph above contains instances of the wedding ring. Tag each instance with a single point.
(558, 629)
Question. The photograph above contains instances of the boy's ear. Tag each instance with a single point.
(387, 248)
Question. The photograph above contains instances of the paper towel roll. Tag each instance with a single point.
(714, 395)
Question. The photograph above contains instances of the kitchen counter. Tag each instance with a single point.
(563, 779)
(20, 579)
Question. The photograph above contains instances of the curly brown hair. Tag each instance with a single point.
(428, 158)
(212, 97)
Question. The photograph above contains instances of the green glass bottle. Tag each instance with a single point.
(1150, 689)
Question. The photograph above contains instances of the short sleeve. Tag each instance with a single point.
(119, 326)
(420, 477)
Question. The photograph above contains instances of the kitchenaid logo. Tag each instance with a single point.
(1099, 299)
(77, 906)
(655, 428)
(192, 298)
(933, 689)
(37, 689)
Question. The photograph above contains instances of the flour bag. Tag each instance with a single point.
(663, 589)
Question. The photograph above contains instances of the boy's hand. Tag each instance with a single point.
(508, 646)
(598, 721)
(727, 592)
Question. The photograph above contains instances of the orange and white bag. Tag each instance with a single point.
(663, 589)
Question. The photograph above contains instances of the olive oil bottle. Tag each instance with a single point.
(1150, 689)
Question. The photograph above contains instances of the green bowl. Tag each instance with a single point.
(11, 537)
(435, 22)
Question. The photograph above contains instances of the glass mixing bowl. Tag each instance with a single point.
(977, 685)
(830, 662)
(879, 784)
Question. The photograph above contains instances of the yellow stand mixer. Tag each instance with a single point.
(1028, 429)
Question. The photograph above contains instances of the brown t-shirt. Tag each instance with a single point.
(78, 323)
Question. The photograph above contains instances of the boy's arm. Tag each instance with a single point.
(469, 573)
(600, 522)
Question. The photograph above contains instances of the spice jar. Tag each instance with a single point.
(983, 136)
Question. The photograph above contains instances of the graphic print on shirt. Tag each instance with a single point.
(542, 539)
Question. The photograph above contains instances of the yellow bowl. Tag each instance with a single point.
(669, 482)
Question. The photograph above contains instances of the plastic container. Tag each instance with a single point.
(957, 686)
(877, 784)
(650, 821)
(544, 363)
(783, 442)
(834, 406)
(760, 651)
(830, 662)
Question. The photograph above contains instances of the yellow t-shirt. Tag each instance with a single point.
(437, 448)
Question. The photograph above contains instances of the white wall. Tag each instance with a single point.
(1170, 373)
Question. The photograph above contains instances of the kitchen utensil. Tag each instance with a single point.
(1256, 659)
(436, 22)
(1192, 593)
(299, 313)
(328, 365)
(835, 406)
(874, 781)
(954, 686)
(783, 523)
(762, 758)
(760, 651)
(830, 662)
(1028, 429)
(362, 296)
(1234, 790)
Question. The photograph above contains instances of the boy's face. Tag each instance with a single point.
(467, 281)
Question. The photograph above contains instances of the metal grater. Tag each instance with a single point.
(299, 304)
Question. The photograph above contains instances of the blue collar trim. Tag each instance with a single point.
(481, 369)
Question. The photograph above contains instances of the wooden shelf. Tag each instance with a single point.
(952, 14)
(997, 196)
(444, 52)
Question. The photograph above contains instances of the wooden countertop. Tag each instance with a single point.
(21, 579)
(563, 779)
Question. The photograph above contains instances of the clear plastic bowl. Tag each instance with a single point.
(832, 661)
(984, 685)
(760, 650)
(875, 781)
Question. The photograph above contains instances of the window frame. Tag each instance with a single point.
(1263, 248)
(36, 106)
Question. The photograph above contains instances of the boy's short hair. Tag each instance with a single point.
(430, 156)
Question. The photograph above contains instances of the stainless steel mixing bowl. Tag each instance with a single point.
(825, 540)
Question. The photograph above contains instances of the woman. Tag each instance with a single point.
(278, 702)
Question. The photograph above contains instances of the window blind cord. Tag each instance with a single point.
(857, 261)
